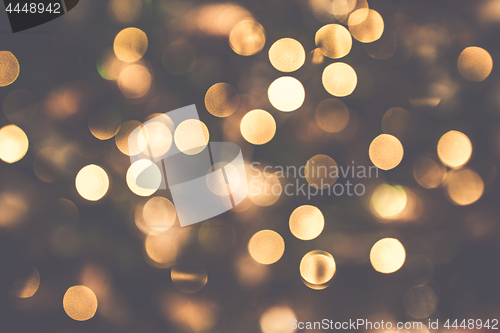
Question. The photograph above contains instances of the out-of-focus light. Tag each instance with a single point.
(162, 249)
(179, 57)
(130, 44)
(124, 11)
(306, 222)
(454, 149)
(387, 255)
(247, 38)
(9, 68)
(277, 320)
(49, 164)
(258, 127)
(366, 25)
(19, 106)
(287, 55)
(317, 267)
(80, 303)
(464, 186)
(189, 277)
(386, 152)
(92, 182)
(130, 146)
(321, 171)
(219, 18)
(264, 188)
(286, 93)
(153, 179)
(104, 123)
(475, 64)
(387, 201)
(109, 66)
(420, 302)
(191, 136)
(266, 247)
(339, 79)
(222, 99)
(428, 173)
(27, 286)
(334, 41)
(135, 81)
(13, 209)
(159, 214)
(159, 135)
(342, 8)
(13, 143)
(332, 115)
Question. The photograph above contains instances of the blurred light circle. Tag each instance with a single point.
(80, 303)
(159, 136)
(104, 123)
(464, 186)
(19, 106)
(9, 68)
(317, 267)
(135, 81)
(130, 44)
(92, 182)
(13, 143)
(264, 189)
(339, 79)
(27, 286)
(222, 99)
(286, 93)
(159, 214)
(386, 152)
(387, 255)
(191, 136)
(332, 115)
(148, 173)
(162, 249)
(266, 247)
(258, 127)
(49, 164)
(454, 149)
(306, 222)
(388, 201)
(334, 41)
(366, 25)
(321, 171)
(131, 145)
(428, 173)
(189, 276)
(287, 55)
(475, 64)
(247, 38)
(124, 11)
(277, 320)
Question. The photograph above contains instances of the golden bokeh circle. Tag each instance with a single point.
(287, 55)
(27, 286)
(258, 127)
(321, 171)
(124, 11)
(286, 93)
(159, 214)
(104, 123)
(247, 38)
(191, 136)
(454, 149)
(189, 277)
(13, 143)
(464, 186)
(306, 222)
(9, 68)
(135, 81)
(333, 40)
(131, 145)
(92, 182)
(366, 25)
(386, 152)
(387, 255)
(80, 303)
(428, 173)
(222, 99)
(264, 188)
(475, 64)
(387, 201)
(130, 44)
(332, 115)
(339, 79)
(266, 247)
(162, 250)
(277, 320)
(317, 267)
(152, 178)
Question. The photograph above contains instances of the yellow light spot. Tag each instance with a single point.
(306, 222)
(386, 152)
(464, 186)
(420, 302)
(264, 188)
(9, 68)
(286, 93)
(92, 182)
(339, 79)
(179, 57)
(191, 136)
(126, 144)
(134, 81)
(27, 286)
(258, 127)
(277, 320)
(151, 181)
(287, 55)
(334, 41)
(366, 25)
(387, 255)
(124, 11)
(222, 99)
(247, 38)
(388, 202)
(13, 143)
(159, 213)
(321, 171)
(332, 115)
(130, 44)
(475, 64)
(189, 277)
(342, 8)
(19, 106)
(162, 249)
(428, 173)
(217, 183)
(266, 247)
(158, 135)
(397, 121)
(80, 303)
(49, 164)
(454, 149)
(317, 267)
(104, 123)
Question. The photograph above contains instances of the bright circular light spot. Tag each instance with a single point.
(143, 177)
(217, 182)
(286, 93)
(159, 136)
(454, 149)
(104, 123)
(130, 44)
(317, 267)
(287, 55)
(386, 152)
(388, 201)
(387, 255)
(159, 213)
(27, 286)
(366, 25)
(92, 182)
(49, 164)
(162, 249)
(334, 41)
(306, 222)
(189, 277)
(258, 127)
(277, 320)
(130, 145)
(464, 186)
(134, 81)
(321, 171)
(264, 188)
(332, 115)
(339, 79)
(247, 38)
(9, 68)
(428, 173)
(19, 106)
(191, 136)
(474, 64)
(266, 247)
(13, 143)
(222, 99)
(80, 303)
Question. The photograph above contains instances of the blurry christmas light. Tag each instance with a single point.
(317, 267)
(222, 99)
(454, 149)
(189, 276)
(13, 143)
(387, 255)
(420, 302)
(27, 286)
(49, 164)
(264, 188)
(464, 186)
(386, 152)
(80, 303)
(277, 320)
(159, 214)
(135, 81)
(153, 180)
(130, 44)
(339, 79)
(332, 115)
(366, 25)
(92, 182)
(104, 123)
(475, 64)
(306, 222)
(124, 11)
(191, 136)
(13, 209)
(334, 41)
(287, 55)
(321, 171)
(9, 68)
(387, 201)
(428, 173)
(162, 249)
(286, 93)
(266, 247)
(258, 127)
(130, 146)
(247, 38)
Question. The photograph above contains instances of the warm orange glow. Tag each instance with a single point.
(13, 143)
(191, 136)
(464, 186)
(162, 249)
(125, 144)
(135, 81)
(386, 152)
(287, 55)
(277, 320)
(130, 44)
(153, 179)
(266, 247)
(13, 209)
(222, 99)
(388, 202)
(454, 149)
(334, 41)
(104, 123)
(27, 286)
(475, 64)
(366, 25)
(387, 255)
(247, 38)
(159, 214)
(286, 93)
(189, 277)
(258, 127)
(80, 303)
(339, 79)
(332, 115)
(9, 68)
(317, 267)
(428, 173)
(264, 189)
(321, 171)
(306, 222)
(124, 11)
(92, 182)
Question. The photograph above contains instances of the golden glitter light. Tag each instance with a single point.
(159, 214)
(247, 38)
(277, 320)
(189, 277)
(339, 79)
(130, 44)
(9, 68)
(474, 64)
(135, 81)
(388, 202)
(222, 99)
(306, 222)
(386, 152)
(428, 173)
(334, 41)
(286, 93)
(287, 55)
(317, 267)
(454, 149)
(153, 179)
(13, 143)
(258, 127)
(266, 247)
(366, 25)
(464, 186)
(80, 303)
(191, 136)
(387, 255)
(92, 182)
(162, 250)
(124, 11)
